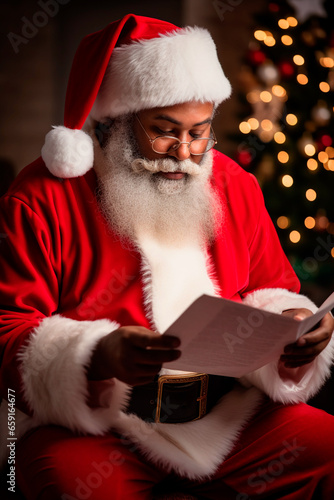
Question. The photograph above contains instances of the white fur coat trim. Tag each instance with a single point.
(302, 383)
(55, 385)
(54, 374)
(174, 276)
(172, 68)
(194, 449)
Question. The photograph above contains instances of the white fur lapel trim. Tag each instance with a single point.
(173, 277)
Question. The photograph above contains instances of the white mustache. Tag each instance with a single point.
(165, 165)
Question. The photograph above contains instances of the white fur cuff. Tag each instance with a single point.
(54, 373)
(299, 384)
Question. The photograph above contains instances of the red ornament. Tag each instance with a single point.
(326, 140)
(331, 41)
(256, 57)
(286, 69)
(244, 158)
(273, 7)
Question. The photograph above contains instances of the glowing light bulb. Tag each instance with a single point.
(323, 157)
(283, 157)
(260, 35)
(312, 164)
(302, 79)
(279, 137)
(283, 24)
(266, 125)
(287, 181)
(291, 119)
(283, 222)
(310, 195)
(294, 236)
(286, 40)
(326, 62)
(244, 127)
(309, 222)
(278, 91)
(265, 96)
(269, 41)
(324, 87)
(330, 165)
(309, 149)
(292, 21)
(253, 123)
(298, 60)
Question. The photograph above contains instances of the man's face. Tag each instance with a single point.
(185, 121)
(168, 195)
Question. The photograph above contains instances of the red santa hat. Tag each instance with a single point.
(132, 64)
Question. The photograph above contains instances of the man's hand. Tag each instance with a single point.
(309, 345)
(132, 354)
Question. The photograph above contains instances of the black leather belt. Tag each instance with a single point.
(175, 399)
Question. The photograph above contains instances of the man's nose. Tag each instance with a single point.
(182, 152)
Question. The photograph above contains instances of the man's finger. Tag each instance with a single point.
(154, 356)
(313, 338)
(297, 359)
(155, 341)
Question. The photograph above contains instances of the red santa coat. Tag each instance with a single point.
(67, 280)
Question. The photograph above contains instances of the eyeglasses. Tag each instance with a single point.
(164, 144)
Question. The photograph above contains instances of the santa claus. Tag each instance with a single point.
(129, 216)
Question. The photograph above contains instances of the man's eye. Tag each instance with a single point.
(163, 132)
(197, 135)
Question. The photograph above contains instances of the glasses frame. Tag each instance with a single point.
(178, 142)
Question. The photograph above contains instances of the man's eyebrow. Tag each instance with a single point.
(176, 122)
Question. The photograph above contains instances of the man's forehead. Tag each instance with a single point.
(194, 113)
(168, 118)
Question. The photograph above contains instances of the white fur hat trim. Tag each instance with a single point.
(173, 68)
(68, 153)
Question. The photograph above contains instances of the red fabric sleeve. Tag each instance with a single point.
(28, 285)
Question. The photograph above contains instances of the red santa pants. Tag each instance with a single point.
(285, 452)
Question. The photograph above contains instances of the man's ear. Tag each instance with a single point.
(102, 132)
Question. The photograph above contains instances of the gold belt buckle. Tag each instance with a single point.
(175, 379)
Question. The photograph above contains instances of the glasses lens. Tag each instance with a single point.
(201, 146)
(165, 144)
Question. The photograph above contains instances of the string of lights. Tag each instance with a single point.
(288, 81)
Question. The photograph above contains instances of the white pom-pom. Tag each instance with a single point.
(68, 153)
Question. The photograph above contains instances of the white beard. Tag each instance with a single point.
(136, 200)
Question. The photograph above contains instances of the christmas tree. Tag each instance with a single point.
(286, 129)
